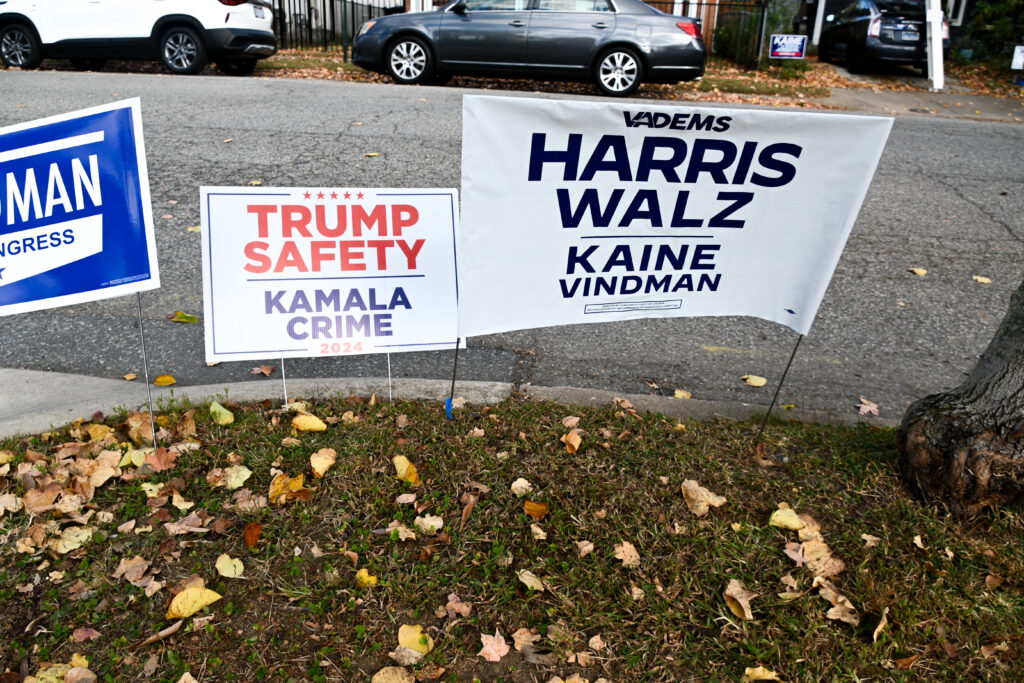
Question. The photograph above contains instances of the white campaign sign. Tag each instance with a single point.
(579, 212)
(298, 272)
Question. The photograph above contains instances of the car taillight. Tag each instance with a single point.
(689, 28)
(875, 27)
(945, 30)
(232, 3)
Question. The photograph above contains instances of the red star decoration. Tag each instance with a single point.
(319, 195)
(306, 195)
(348, 195)
(334, 195)
(360, 195)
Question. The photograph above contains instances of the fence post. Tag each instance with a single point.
(760, 34)
(344, 30)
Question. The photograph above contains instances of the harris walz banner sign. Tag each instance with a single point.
(580, 212)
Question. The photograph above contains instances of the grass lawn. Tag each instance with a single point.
(601, 567)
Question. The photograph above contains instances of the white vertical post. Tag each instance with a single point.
(819, 19)
(936, 71)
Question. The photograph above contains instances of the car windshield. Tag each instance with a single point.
(901, 6)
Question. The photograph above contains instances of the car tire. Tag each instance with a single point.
(88, 64)
(182, 51)
(618, 72)
(856, 63)
(409, 61)
(237, 67)
(19, 47)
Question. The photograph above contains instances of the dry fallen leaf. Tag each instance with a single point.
(364, 579)
(536, 510)
(867, 407)
(572, 440)
(906, 663)
(322, 460)
(584, 548)
(737, 598)
(570, 421)
(982, 279)
(306, 422)
(393, 674)
(220, 414)
(285, 489)
(229, 567)
(627, 553)
(130, 376)
(521, 487)
(531, 580)
(754, 380)
(429, 524)
(252, 533)
(870, 541)
(164, 381)
(525, 637)
(494, 647)
(786, 518)
(699, 499)
(415, 638)
(405, 470)
(759, 673)
(881, 625)
(920, 272)
(191, 600)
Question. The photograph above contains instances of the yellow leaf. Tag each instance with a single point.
(235, 476)
(364, 579)
(191, 600)
(220, 414)
(982, 279)
(195, 228)
(572, 440)
(164, 381)
(284, 488)
(786, 518)
(229, 567)
(79, 661)
(414, 638)
(536, 510)
(98, 432)
(754, 380)
(255, 183)
(531, 580)
(305, 422)
(405, 470)
(682, 393)
(921, 272)
(322, 460)
(372, 154)
(130, 376)
(759, 674)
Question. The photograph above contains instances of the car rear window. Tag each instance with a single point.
(900, 6)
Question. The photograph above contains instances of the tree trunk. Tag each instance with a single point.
(965, 447)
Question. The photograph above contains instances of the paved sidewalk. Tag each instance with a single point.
(957, 105)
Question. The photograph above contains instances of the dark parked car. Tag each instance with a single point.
(616, 43)
(869, 32)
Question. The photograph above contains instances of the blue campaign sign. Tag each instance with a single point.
(76, 223)
(786, 46)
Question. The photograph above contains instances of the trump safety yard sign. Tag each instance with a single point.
(298, 272)
(579, 212)
(76, 223)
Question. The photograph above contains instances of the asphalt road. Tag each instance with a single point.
(948, 197)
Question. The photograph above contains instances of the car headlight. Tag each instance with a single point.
(365, 27)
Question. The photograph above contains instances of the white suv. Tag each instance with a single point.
(185, 35)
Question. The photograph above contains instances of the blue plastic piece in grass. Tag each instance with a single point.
(448, 408)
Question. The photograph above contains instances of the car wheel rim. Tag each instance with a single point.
(408, 60)
(16, 48)
(618, 71)
(180, 51)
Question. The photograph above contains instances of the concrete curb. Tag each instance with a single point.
(34, 401)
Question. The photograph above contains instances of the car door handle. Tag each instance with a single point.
(517, 23)
(600, 24)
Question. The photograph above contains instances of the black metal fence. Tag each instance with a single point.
(733, 30)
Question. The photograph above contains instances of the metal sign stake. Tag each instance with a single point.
(145, 366)
(449, 403)
(760, 433)
(284, 384)
(390, 399)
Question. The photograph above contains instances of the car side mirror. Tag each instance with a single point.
(459, 7)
